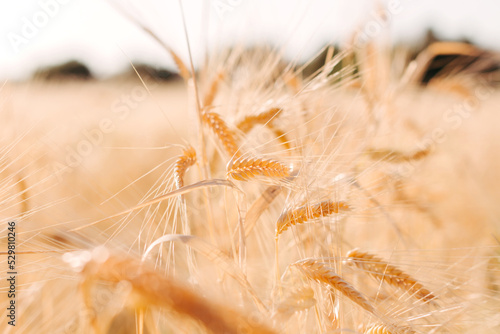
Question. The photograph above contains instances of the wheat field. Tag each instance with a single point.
(253, 198)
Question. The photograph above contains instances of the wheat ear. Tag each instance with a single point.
(280, 135)
(296, 301)
(214, 88)
(319, 272)
(154, 289)
(377, 329)
(222, 131)
(186, 160)
(385, 329)
(263, 118)
(244, 169)
(183, 71)
(383, 271)
(454, 85)
(293, 81)
(308, 212)
(397, 156)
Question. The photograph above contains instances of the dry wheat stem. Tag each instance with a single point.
(245, 168)
(259, 206)
(24, 196)
(183, 71)
(184, 190)
(308, 212)
(383, 271)
(215, 255)
(186, 160)
(319, 272)
(222, 131)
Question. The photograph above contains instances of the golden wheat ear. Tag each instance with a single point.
(214, 88)
(296, 300)
(222, 131)
(396, 156)
(186, 160)
(459, 85)
(383, 329)
(250, 121)
(293, 81)
(246, 168)
(377, 329)
(308, 212)
(385, 272)
(183, 70)
(153, 289)
(415, 73)
(319, 272)
(264, 118)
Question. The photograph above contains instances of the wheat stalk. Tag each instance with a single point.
(245, 168)
(259, 206)
(24, 195)
(186, 160)
(308, 212)
(383, 271)
(319, 272)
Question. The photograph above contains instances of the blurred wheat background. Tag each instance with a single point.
(305, 185)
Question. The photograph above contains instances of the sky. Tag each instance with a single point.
(105, 34)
